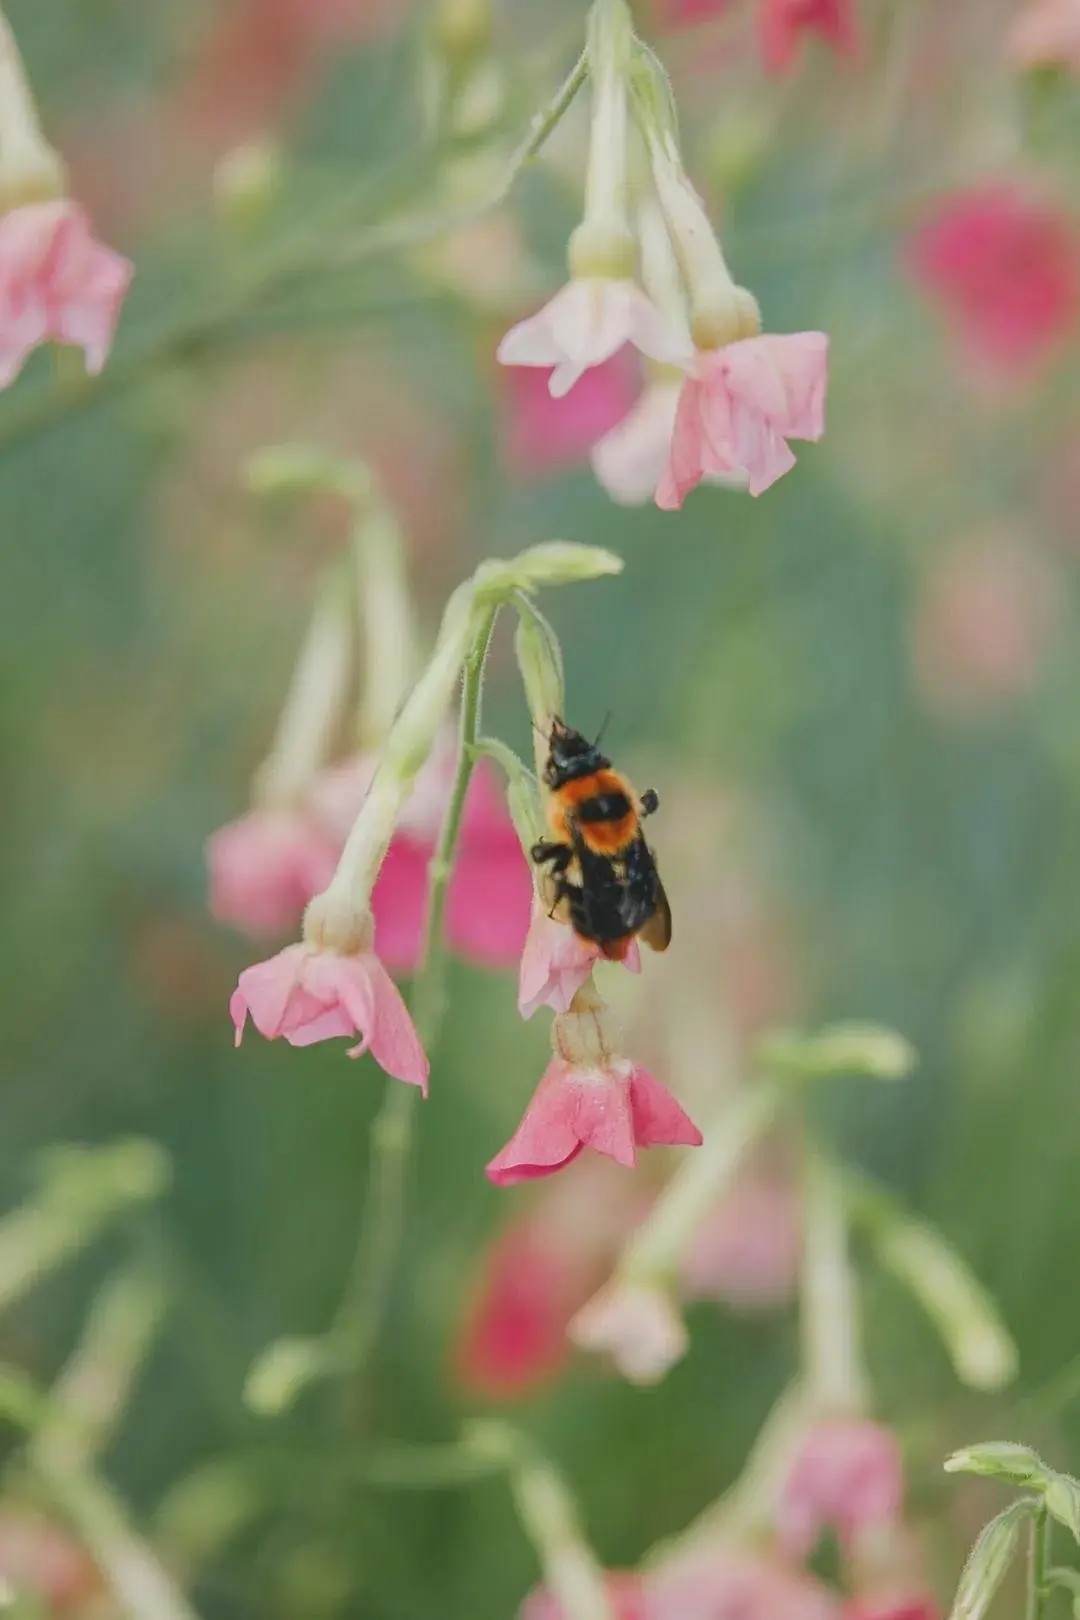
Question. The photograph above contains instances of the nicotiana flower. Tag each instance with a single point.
(587, 322)
(629, 461)
(782, 23)
(1046, 32)
(543, 435)
(713, 1578)
(736, 413)
(637, 1324)
(556, 962)
(590, 1096)
(265, 867)
(310, 992)
(57, 283)
(1004, 265)
(847, 1475)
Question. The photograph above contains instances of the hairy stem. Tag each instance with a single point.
(1037, 1583)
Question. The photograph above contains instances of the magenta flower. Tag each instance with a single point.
(544, 435)
(308, 994)
(739, 409)
(264, 868)
(556, 962)
(590, 1097)
(848, 1475)
(590, 319)
(56, 284)
(1004, 266)
(781, 24)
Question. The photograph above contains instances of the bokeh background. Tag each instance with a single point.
(857, 694)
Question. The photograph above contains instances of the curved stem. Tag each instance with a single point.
(356, 1329)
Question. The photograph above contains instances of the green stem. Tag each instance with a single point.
(356, 1329)
(1037, 1584)
(832, 1361)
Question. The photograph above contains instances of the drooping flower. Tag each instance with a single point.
(715, 1580)
(57, 284)
(847, 1475)
(307, 993)
(739, 408)
(1004, 266)
(782, 23)
(544, 435)
(746, 1252)
(590, 1096)
(556, 962)
(265, 867)
(637, 1325)
(629, 460)
(540, 1270)
(1046, 33)
(587, 322)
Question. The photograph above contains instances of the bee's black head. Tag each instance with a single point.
(570, 755)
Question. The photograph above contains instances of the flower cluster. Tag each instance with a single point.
(722, 400)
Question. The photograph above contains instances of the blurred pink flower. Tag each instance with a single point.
(713, 1580)
(490, 894)
(848, 1476)
(746, 1252)
(556, 962)
(306, 994)
(782, 22)
(624, 1589)
(539, 1271)
(736, 413)
(983, 625)
(1046, 33)
(42, 1560)
(897, 1605)
(56, 284)
(543, 434)
(1004, 265)
(587, 322)
(637, 1325)
(686, 13)
(604, 1102)
(264, 868)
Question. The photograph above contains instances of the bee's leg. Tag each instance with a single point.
(650, 802)
(557, 856)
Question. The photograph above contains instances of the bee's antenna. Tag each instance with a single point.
(603, 728)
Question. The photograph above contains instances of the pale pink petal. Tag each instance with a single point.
(603, 1116)
(555, 963)
(686, 460)
(712, 1580)
(265, 989)
(638, 1327)
(530, 343)
(848, 1476)
(782, 378)
(587, 322)
(657, 1116)
(317, 1026)
(657, 336)
(264, 868)
(629, 460)
(545, 1140)
(394, 1043)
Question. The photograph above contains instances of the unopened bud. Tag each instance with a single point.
(539, 659)
(247, 181)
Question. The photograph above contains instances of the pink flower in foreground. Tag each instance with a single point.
(490, 892)
(540, 1270)
(624, 1589)
(1005, 268)
(781, 23)
(589, 320)
(739, 409)
(590, 1097)
(630, 460)
(555, 963)
(711, 1580)
(56, 284)
(847, 1475)
(264, 868)
(307, 994)
(544, 435)
(1047, 32)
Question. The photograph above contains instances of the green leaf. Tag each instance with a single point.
(989, 1560)
(1062, 1498)
(1002, 1459)
(553, 562)
(283, 1370)
(1069, 1581)
(854, 1048)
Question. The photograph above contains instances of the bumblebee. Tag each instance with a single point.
(602, 872)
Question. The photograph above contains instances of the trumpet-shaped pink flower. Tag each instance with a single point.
(590, 1097)
(848, 1475)
(1004, 266)
(545, 435)
(781, 24)
(630, 460)
(307, 994)
(737, 411)
(264, 868)
(56, 284)
(1047, 32)
(556, 962)
(625, 1592)
(590, 319)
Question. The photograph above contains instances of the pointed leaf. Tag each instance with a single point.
(989, 1560)
(1062, 1498)
(1002, 1459)
(854, 1048)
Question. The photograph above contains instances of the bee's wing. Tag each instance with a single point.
(657, 931)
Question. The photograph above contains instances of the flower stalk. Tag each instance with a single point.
(832, 1359)
(30, 170)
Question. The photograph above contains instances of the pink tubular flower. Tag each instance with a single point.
(848, 1475)
(716, 1581)
(624, 1589)
(56, 284)
(589, 320)
(590, 1097)
(1046, 33)
(1005, 268)
(556, 962)
(782, 22)
(307, 994)
(629, 461)
(739, 409)
(545, 435)
(264, 868)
